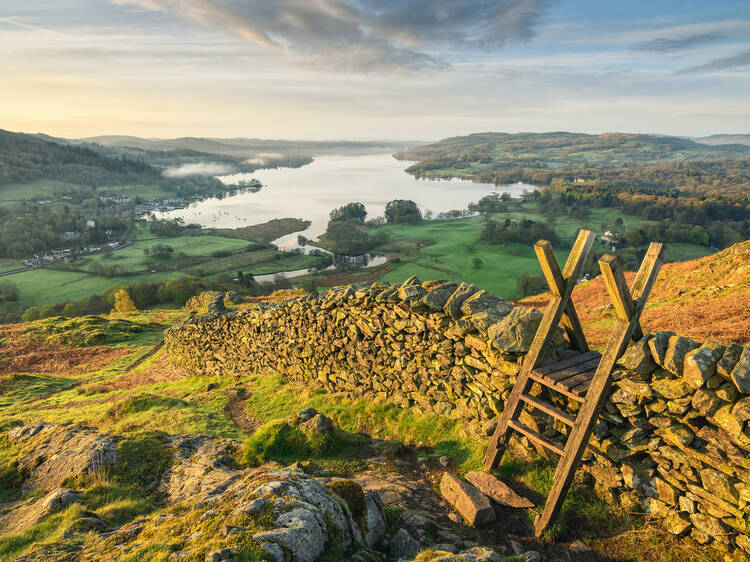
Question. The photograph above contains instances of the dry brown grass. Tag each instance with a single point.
(20, 354)
(704, 299)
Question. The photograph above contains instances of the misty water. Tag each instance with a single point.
(312, 191)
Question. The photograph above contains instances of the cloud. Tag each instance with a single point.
(671, 44)
(740, 61)
(363, 35)
(197, 169)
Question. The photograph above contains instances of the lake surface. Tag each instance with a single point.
(312, 191)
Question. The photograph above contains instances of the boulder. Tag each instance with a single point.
(376, 523)
(403, 545)
(472, 504)
(497, 490)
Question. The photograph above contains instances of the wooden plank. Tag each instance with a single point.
(551, 318)
(556, 387)
(537, 438)
(562, 374)
(617, 287)
(569, 362)
(548, 408)
(572, 382)
(582, 389)
(597, 392)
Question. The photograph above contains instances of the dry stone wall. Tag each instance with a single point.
(672, 439)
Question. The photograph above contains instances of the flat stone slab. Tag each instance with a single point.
(472, 504)
(497, 490)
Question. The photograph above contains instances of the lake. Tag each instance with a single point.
(312, 191)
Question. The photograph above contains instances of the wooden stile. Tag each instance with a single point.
(585, 377)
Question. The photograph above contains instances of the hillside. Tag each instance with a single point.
(559, 149)
(249, 147)
(25, 158)
(704, 299)
(616, 159)
(724, 139)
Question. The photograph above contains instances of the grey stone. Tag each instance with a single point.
(515, 332)
(274, 551)
(678, 348)
(403, 545)
(741, 373)
(700, 365)
(219, 555)
(375, 522)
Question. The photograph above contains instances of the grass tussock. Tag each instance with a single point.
(86, 330)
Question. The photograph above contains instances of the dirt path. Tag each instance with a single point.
(237, 411)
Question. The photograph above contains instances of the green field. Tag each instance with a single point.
(204, 254)
(43, 286)
(132, 257)
(440, 249)
(10, 265)
(448, 257)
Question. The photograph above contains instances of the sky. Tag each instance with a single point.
(373, 69)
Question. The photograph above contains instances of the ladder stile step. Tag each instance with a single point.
(570, 362)
(556, 387)
(562, 375)
(549, 409)
(580, 379)
(537, 438)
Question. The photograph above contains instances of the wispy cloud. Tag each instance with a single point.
(363, 35)
(739, 61)
(679, 43)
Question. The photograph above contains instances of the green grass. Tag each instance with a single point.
(449, 257)
(681, 251)
(272, 399)
(39, 287)
(12, 193)
(9, 265)
(132, 257)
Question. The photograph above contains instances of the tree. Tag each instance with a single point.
(70, 310)
(123, 302)
(30, 314)
(8, 292)
(159, 251)
(350, 211)
(401, 211)
(477, 262)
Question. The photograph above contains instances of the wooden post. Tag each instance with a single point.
(561, 286)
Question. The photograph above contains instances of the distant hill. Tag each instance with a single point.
(251, 147)
(562, 149)
(704, 299)
(25, 158)
(715, 140)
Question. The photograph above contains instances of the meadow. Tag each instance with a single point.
(447, 249)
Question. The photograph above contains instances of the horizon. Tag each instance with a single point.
(373, 69)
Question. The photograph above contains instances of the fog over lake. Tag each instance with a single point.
(312, 191)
